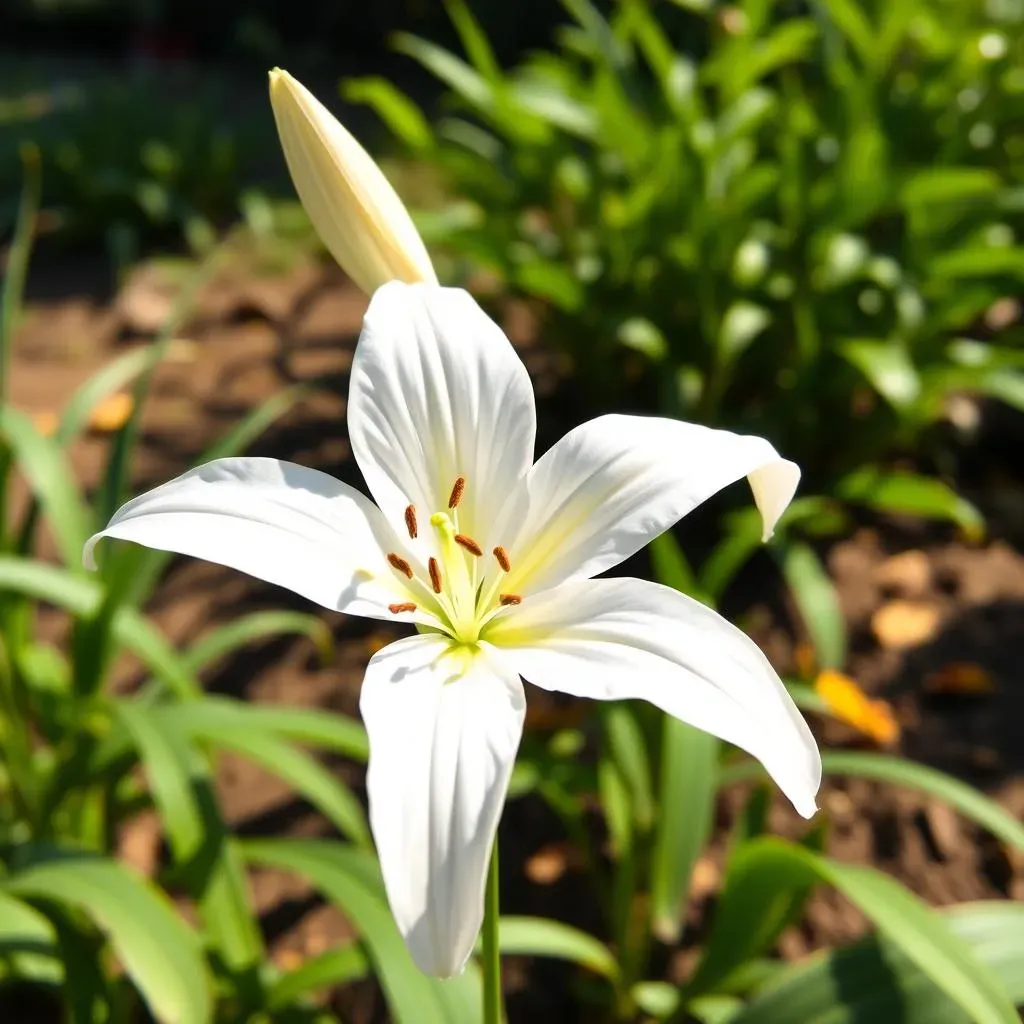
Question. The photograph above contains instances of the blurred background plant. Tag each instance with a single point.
(794, 219)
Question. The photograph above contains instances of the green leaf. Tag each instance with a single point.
(351, 879)
(160, 953)
(538, 936)
(262, 746)
(18, 255)
(82, 597)
(254, 627)
(329, 970)
(463, 80)
(883, 768)
(474, 40)
(909, 494)
(28, 943)
(49, 475)
(849, 17)
(979, 261)
(874, 981)
(206, 858)
(107, 380)
(767, 871)
(403, 117)
(686, 801)
(949, 185)
(313, 727)
(628, 749)
(887, 367)
(815, 597)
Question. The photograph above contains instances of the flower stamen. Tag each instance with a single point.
(502, 556)
(456, 496)
(401, 565)
(469, 544)
(435, 574)
(410, 521)
(507, 599)
(405, 606)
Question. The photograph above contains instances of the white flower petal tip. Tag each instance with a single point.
(627, 639)
(773, 485)
(444, 727)
(353, 207)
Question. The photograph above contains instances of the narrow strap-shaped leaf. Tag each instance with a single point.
(82, 596)
(815, 596)
(755, 900)
(330, 969)
(539, 936)
(308, 777)
(312, 727)
(686, 801)
(205, 855)
(45, 467)
(160, 953)
(350, 878)
(885, 768)
(257, 626)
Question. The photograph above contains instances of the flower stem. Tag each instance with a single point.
(494, 1009)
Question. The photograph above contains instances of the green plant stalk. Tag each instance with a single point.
(16, 747)
(494, 1009)
(18, 257)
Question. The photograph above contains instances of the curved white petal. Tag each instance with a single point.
(624, 638)
(354, 209)
(291, 526)
(444, 727)
(438, 392)
(612, 485)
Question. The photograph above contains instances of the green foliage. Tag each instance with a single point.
(773, 218)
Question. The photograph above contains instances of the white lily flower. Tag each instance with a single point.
(491, 557)
(353, 207)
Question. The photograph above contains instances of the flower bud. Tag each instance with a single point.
(354, 209)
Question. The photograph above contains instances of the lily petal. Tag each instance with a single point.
(291, 526)
(354, 209)
(613, 484)
(614, 639)
(437, 392)
(444, 726)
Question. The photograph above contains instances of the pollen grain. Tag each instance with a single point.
(410, 521)
(469, 544)
(435, 575)
(401, 565)
(456, 495)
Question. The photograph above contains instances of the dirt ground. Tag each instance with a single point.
(921, 605)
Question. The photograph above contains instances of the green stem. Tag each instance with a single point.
(494, 1009)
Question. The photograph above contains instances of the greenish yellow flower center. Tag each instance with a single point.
(460, 585)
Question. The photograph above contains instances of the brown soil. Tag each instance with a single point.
(947, 602)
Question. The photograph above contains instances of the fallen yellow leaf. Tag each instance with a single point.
(901, 624)
(849, 703)
(961, 677)
(112, 413)
(46, 422)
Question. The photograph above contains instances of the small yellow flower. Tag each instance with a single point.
(354, 209)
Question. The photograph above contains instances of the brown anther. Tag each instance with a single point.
(406, 606)
(510, 599)
(410, 521)
(401, 565)
(456, 495)
(435, 575)
(469, 544)
(502, 556)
